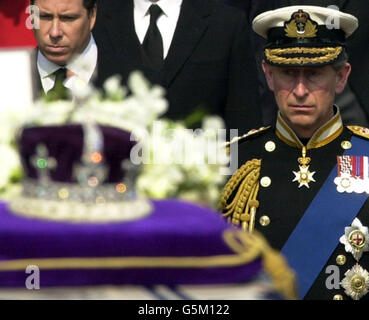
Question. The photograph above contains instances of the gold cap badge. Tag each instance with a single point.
(300, 26)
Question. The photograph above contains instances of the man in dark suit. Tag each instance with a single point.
(354, 101)
(207, 57)
(66, 49)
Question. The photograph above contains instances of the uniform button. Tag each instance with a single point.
(341, 259)
(270, 146)
(264, 221)
(338, 297)
(265, 182)
(346, 145)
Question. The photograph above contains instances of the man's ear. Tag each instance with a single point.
(268, 72)
(93, 17)
(342, 77)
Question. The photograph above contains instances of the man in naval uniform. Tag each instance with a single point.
(304, 182)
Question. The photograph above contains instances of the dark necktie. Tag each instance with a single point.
(59, 92)
(153, 42)
(60, 75)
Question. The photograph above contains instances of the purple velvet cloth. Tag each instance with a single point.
(65, 144)
(175, 229)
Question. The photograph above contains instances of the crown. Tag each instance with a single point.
(300, 16)
(78, 172)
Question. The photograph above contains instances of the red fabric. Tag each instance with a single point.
(13, 31)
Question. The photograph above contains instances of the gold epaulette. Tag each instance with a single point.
(246, 135)
(242, 207)
(359, 131)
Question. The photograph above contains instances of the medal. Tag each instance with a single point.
(356, 239)
(352, 174)
(356, 282)
(303, 176)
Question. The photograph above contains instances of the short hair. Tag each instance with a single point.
(341, 63)
(88, 4)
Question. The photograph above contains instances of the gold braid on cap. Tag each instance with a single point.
(329, 54)
(244, 204)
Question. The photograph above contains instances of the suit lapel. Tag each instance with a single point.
(191, 25)
(120, 29)
(36, 78)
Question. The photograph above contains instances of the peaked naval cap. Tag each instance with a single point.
(304, 35)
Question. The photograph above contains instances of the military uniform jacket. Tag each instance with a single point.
(282, 201)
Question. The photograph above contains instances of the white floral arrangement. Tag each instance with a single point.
(10, 165)
(184, 163)
(197, 177)
(114, 108)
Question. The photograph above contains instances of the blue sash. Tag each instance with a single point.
(317, 234)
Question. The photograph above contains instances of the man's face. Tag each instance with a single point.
(305, 95)
(65, 27)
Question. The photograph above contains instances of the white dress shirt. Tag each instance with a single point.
(82, 67)
(166, 23)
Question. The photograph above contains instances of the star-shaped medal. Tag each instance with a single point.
(356, 282)
(304, 176)
(356, 239)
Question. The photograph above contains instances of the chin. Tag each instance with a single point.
(57, 59)
(302, 121)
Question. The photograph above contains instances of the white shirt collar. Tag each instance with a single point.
(83, 67)
(169, 7)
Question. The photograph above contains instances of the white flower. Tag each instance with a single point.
(138, 83)
(183, 164)
(213, 123)
(80, 90)
(113, 88)
(9, 162)
(54, 113)
(158, 181)
(112, 84)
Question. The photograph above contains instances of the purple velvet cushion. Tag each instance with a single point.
(174, 229)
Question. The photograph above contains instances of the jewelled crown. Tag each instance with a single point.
(78, 172)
